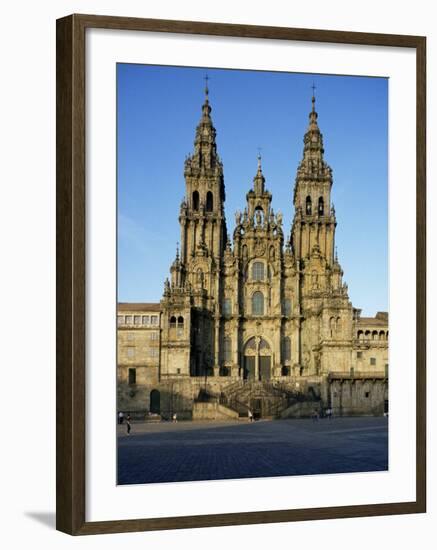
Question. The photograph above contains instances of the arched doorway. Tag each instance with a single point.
(155, 402)
(257, 359)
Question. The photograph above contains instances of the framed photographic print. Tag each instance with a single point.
(240, 274)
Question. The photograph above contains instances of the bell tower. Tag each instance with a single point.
(202, 219)
(314, 221)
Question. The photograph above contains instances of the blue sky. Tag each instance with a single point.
(158, 109)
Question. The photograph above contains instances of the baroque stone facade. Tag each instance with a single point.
(260, 320)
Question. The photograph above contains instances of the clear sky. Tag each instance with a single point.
(158, 109)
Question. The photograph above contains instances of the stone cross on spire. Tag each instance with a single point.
(313, 99)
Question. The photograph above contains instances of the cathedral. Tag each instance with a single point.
(256, 320)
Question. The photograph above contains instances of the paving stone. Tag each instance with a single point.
(189, 451)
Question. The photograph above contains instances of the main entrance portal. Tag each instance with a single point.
(257, 359)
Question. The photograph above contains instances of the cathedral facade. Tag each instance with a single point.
(259, 320)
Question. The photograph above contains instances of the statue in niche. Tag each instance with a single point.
(199, 277)
(258, 217)
(314, 280)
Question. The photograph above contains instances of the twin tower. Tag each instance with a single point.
(250, 307)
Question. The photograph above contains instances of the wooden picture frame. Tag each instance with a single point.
(71, 254)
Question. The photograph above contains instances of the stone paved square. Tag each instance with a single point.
(193, 451)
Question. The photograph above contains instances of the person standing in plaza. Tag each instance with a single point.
(128, 425)
(120, 417)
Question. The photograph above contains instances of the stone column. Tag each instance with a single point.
(216, 346)
(258, 340)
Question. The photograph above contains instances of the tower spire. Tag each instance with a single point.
(313, 166)
(205, 149)
(259, 179)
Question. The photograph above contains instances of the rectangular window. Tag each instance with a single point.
(153, 352)
(359, 354)
(137, 319)
(128, 319)
(146, 319)
(367, 394)
(227, 307)
(373, 360)
(132, 376)
(258, 271)
(154, 320)
(120, 320)
(227, 352)
(130, 352)
(154, 336)
(286, 306)
(130, 336)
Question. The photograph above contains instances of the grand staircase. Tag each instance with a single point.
(265, 399)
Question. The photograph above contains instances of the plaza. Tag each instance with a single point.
(193, 451)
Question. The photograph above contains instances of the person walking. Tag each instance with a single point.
(128, 425)
(250, 415)
(120, 417)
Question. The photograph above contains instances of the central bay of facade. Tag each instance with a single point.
(258, 321)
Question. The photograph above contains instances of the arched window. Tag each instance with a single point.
(180, 331)
(227, 350)
(209, 202)
(257, 303)
(227, 306)
(308, 207)
(172, 322)
(381, 335)
(259, 215)
(360, 335)
(195, 200)
(286, 348)
(321, 206)
(331, 326)
(258, 271)
(367, 335)
(375, 335)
